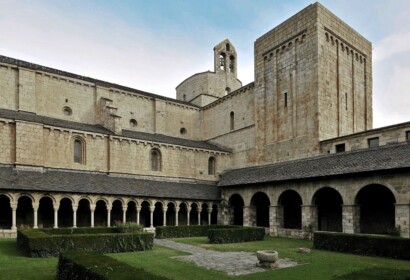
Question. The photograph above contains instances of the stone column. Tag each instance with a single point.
(176, 215)
(273, 220)
(109, 216)
(246, 214)
(75, 207)
(151, 214)
(199, 216)
(209, 215)
(402, 219)
(164, 215)
(138, 210)
(92, 209)
(56, 207)
(309, 216)
(351, 218)
(13, 216)
(35, 209)
(124, 214)
(188, 209)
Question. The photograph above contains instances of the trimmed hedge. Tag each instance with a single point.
(234, 235)
(185, 231)
(94, 266)
(37, 243)
(364, 244)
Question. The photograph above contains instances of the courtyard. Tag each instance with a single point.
(167, 262)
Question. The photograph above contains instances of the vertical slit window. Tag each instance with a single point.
(232, 120)
(211, 166)
(285, 96)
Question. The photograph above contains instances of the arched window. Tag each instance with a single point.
(155, 160)
(232, 120)
(184, 97)
(231, 64)
(79, 150)
(228, 47)
(211, 166)
(222, 61)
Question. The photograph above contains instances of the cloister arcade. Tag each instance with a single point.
(37, 210)
(289, 210)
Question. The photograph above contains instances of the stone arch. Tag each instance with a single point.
(45, 212)
(84, 211)
(5, 212)
(329, 209)
(214, 214)
(236, 204)
(131, 214)
(116, 211)
(377, 209)
(25, 212)
(145, 214)
(158, 214)
(183, 213)
(53, 199)
(204, 213)
(100, 213)
(65, 212)
(290, 209)
(260, 203)
(170, 214)
(10, 196)
(193, 215)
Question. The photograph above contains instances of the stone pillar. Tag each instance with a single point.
(35, 209)
(209, 215)
(13, 216)
(56, 207)
(309, 216)
(188, 210)
(351, 218)
(164, 217)
(176, 215)
(92, 209)
(199, 216)
(402, 219)
(246, 216)
(273, 219)
(124, 214)
(108, 216)
(75, 207)
(151, 214)
(138, 210)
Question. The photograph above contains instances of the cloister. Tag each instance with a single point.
(290, 209)
(39, 210)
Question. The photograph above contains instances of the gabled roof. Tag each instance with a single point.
(103, 184)
(154, 137)
(389, 157)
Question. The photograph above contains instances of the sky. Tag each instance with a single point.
(153, 45)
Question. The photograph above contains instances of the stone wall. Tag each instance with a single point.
(387, 136)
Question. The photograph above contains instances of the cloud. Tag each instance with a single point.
(391, 45)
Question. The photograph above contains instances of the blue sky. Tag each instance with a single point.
(154, 45)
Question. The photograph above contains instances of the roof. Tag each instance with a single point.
(103, 184)
(377, 159)
(171, 140)
(24, 116)
(31, 117)
(37, 67)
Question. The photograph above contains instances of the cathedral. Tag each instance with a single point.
(294, 151)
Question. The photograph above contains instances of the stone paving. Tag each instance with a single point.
(232, 263)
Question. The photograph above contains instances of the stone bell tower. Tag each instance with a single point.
(204, 88)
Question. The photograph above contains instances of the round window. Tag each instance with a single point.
(67, 111)
(183, 131)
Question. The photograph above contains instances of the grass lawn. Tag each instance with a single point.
(317, 265)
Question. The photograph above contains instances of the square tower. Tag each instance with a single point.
(313, 81)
